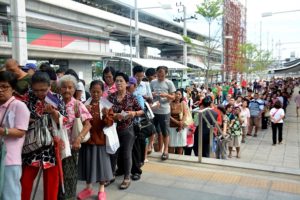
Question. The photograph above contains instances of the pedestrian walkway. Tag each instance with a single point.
(163, 180)
(260, 150)
(259, 153)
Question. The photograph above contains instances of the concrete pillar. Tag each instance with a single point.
(19, 31)
(143, 51)
(83, 69)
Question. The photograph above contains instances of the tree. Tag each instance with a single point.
(210, 10)
(251, 59)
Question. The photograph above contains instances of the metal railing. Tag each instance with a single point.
(202, 116)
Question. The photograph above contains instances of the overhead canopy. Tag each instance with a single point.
(197, 64)
(154, 63)
(290, 67)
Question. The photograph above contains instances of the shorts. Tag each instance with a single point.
(12, 184)
(162, 123)
(254, 121)
(235, 141)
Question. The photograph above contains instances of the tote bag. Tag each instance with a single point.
(112, 139)
(189, 119)
(78, 126)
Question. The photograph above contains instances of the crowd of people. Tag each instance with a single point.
(40, 109)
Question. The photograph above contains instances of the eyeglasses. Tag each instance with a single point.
(4, 88)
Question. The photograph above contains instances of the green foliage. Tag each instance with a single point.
(187, 39)
(210, 9)
(252, 59)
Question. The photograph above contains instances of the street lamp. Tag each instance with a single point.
(268, 14)
(136, 17)
(136, 32)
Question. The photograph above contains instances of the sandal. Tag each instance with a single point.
(164, 156)
(125, 184)
(107, 183)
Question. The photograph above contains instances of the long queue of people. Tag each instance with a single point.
(40, 109)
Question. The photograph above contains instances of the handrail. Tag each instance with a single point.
(211, 127)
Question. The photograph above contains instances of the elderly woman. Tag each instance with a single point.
(94, 162)
(41, 108)
(67, 85)
(14, 122)
(125, 107)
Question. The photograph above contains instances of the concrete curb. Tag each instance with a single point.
(230, 163)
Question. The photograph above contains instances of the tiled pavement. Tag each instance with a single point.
(171, 181)
(263, 172)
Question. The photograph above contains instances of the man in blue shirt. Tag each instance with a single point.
(256, 107)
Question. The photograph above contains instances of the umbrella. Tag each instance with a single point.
(57, 143)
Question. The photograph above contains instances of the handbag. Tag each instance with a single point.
(267, 112)
(189, 119)
(111, 139)
(38, 135)
(78, 126)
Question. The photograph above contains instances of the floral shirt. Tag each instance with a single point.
(70, 108)
(109, 90)
(44, 155)
(129, 103)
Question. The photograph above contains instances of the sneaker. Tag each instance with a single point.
(255, 135)
(101, 196)
(243, 141)
(85, 193)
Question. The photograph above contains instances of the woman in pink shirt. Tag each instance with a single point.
(14, 116)
(108, 78)
(74, 109)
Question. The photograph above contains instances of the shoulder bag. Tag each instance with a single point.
(78, 126)
(38, 135)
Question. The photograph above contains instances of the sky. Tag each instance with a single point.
(280, 33)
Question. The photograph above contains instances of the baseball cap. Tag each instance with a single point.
(132, 81)
(29, 66)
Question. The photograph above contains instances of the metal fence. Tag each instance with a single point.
(211, 126)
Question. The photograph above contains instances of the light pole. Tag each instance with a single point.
(184, 19)
(136, 18)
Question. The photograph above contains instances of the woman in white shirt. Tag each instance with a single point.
(245, 115)
(277, 115)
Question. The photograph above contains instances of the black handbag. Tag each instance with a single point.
(147, 128)
(37, 136)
